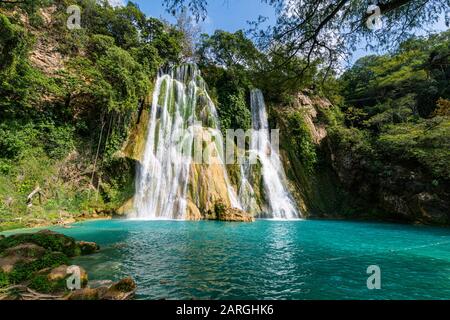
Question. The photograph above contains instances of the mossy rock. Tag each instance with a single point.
(23, 253)
(47, 239)
(42, 284)
(25, 250)
(87, 247)
(25, 270)
(122, 290)
(124, 285)
(54, 280)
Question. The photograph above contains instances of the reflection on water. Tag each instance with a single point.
(269, 259)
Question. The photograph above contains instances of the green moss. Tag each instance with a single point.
(24, 271)
(219, 209)
(41, 284)
(50, 241)
(301, 141)
(4, 279)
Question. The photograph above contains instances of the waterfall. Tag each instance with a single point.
(173, 179)
(181, 108)
(279, 201)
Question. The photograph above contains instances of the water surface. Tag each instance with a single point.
(269, 259)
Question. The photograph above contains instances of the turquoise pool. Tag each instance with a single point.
(269, 259)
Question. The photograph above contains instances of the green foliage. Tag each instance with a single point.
(53, 121)
(426, 142)
(125, 78)
(4, 279)
(231, 50)
(41, 284)
(414, 77)
(235, 56)
(13, 45)
(352, 141)
(230, 88)
(234, 113)
(301, 141)
(395, 107)
(25, 270)
(17, 140)
(98, 45)
(29, 6)
(219, 209)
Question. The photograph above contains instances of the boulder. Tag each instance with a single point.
(26, 252)
(85, 294)
(121, 290)
(60, 273)
(225, 213)
(235, 215)
(88, 247)
(46, 239)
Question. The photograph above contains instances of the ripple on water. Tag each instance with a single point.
(269, 259)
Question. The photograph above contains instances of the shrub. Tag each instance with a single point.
(301, 141)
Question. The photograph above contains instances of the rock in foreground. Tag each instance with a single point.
(121, 290)
(35, 266)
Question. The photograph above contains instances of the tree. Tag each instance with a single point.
(30, 6)
(328, 30)
(190, 31)
(419, 70)
(229, 50)
(196, 7)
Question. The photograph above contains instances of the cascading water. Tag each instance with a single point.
(181, 109)
(173, 183)
(279, 201)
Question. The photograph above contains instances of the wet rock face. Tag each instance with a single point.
(403, 191)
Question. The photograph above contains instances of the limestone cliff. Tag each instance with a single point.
(344, 184)
(318, 193)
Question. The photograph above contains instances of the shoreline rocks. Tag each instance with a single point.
(35, 266)
(107, 290)
(88, 247)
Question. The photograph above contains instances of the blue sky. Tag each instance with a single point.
(232, 15)
(229, 15)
